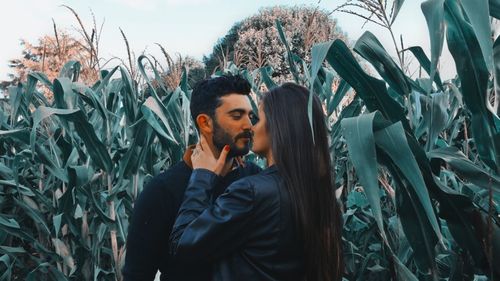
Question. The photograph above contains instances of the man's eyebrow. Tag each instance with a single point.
(239, 110)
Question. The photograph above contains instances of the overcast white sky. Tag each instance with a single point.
(189, 27)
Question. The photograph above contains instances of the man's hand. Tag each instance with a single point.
(203, 158)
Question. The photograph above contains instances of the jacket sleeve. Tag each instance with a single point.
(205, 231)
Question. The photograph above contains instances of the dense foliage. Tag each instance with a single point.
(416, 161)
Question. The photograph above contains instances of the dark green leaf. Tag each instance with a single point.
(85, 130)
(473, 73)
(434, 15)
(339, 95)
(70, 70)
(466, 168)
(494, 8)
(291, 62)
(477, 12)
(371, 90)
(358, 132)
(372, 50)
(435, 116)
(426, 64)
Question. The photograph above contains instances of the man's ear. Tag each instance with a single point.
(205, 124)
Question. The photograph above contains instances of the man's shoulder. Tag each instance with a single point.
(169, 180)
(180, 169)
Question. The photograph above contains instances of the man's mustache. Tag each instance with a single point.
(244, 135)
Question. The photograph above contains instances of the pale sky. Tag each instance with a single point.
(188, 27)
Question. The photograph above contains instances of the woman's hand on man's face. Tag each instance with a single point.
(203, 158)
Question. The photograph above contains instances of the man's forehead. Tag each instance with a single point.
(232, 101)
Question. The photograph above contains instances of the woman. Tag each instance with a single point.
(281, 224)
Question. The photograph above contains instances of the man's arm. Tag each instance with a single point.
(146, 241)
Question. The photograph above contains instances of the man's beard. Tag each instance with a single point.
(221, 138)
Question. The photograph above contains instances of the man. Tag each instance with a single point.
(223, 113)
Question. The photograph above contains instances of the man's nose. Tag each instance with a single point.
(247, 123)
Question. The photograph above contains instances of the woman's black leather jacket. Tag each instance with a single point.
(248, 232)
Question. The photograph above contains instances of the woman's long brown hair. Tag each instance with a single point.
(305, 166)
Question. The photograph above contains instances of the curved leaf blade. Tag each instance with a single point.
(372, 50)
(433, 11)
(358, 132)
(473, 73)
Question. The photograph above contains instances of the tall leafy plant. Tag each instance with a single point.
(416, 161)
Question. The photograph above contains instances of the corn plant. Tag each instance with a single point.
(424, 152)
(71, 169)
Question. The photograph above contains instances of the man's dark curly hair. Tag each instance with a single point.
(205, 97)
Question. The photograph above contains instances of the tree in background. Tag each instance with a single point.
(48, 55)
(51, 52)
(223, 50)
(254, 42)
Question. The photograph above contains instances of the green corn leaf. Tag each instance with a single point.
(34, 214)
(435, 116)
(43, 156)
(426, 64)
(433, 11)
(466, 168)
(494, 8)
(477, 12)
(57, 220)
(393, 141)
(397, 4)
(358, 132)
(265, 73)
(318, 55)
(16, 99)
(496, 57)
(129, 96)
(371, 90)
(148, 80)
(136, 153)
(12, 250)
(372, 50)
(70, 70)
(415, 209)
(5, 259)
(339, 95)
(402, 272)
(22, 189)
(91, 98)
(473, 74)
(85, 130)
(153, 106)
(64, 96)
(290, 55)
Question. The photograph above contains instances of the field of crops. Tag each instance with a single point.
(417, 161)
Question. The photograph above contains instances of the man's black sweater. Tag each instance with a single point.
(154, 214)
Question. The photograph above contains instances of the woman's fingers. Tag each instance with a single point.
(203, 157)
(221, 162)
(223, 155)
(203, 142)
(199, 147)
(196, 150)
